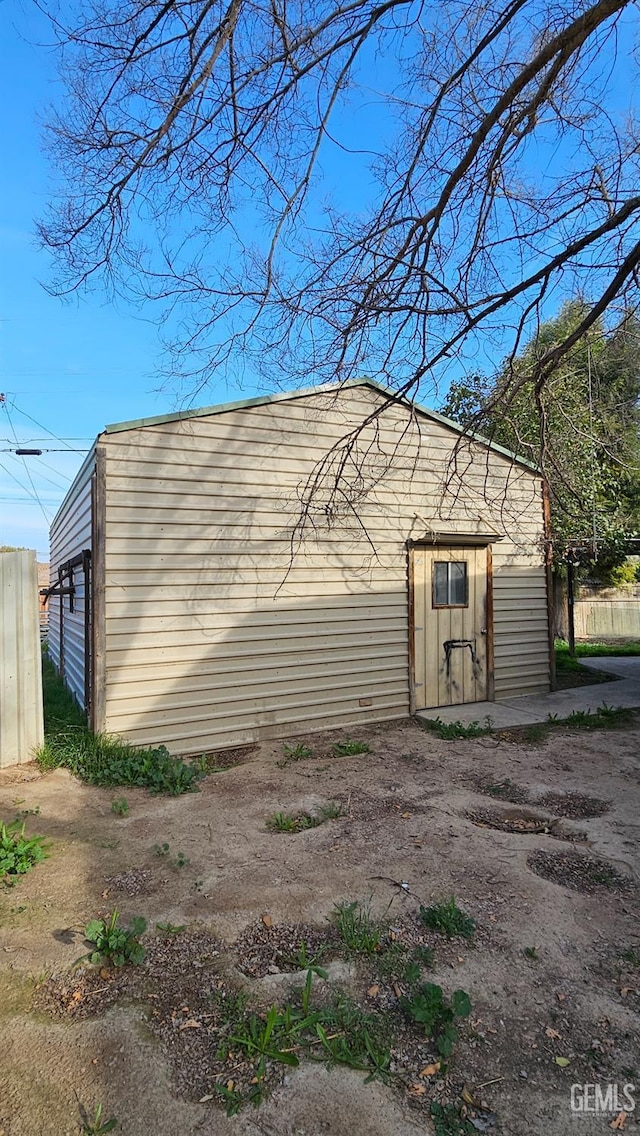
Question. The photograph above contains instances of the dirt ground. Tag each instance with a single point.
(552, 972)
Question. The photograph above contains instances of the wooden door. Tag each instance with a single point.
(450, 625)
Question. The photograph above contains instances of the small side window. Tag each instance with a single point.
(450, 584)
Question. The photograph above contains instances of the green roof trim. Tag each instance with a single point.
(304, 392)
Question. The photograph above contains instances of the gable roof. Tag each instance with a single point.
(326, 388)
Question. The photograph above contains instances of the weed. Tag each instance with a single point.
(535, 733)
(97, 1126)
(171, 928)
(448, 1121)
(631, 956)
(426, 956)
(448, 919)
(211, 763)
(298, 752)
(359, 930)
(331, 811)
(349, 748)
(449, 731)
(411, 973)
(28, 812)
(19, 853)
(232, 1097)
(605, 875)
(177, 861)
(500, 788)
(392, 961)
(107, 761)
(113, 943)
(101, 759)
(531, 953)
(396, 962)
(429, 1006)
(335, 1030)
(120, 807)
(292, 822)
(609, 717)
(299, 822)
(351, 1037)
(302, 959)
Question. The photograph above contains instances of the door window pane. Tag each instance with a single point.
(450, 583)
(440, 584)
(458, 584)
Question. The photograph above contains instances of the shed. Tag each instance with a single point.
(197, 611)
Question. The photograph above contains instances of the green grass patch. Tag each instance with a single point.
(300, 822)
(452, 730)
(448, 919)
(603, 717)
(335, 1030)
(571, 673)
(591, 650)
(350, 748)
(101, 759)
(358, 929)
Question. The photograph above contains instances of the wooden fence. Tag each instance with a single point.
(21, 718)
(607, 617)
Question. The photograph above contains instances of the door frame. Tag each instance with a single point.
(459, 542)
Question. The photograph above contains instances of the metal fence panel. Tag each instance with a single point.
(21, 716)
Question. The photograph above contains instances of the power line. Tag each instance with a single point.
(45, 450)
(47, 518)
(28, 441)
(35, 422)
(56, 484)
(54, 470)
(25, 489)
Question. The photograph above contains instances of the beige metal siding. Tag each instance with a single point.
(215, 636)
(70, 535)
(21, 727)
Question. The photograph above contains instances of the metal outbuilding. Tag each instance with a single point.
(194, 609)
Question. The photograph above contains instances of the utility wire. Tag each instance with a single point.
(27, 441)
(54, 470)
(24, 488)
(50, 481)
(39, 425)
(26, 467)
(45, 450)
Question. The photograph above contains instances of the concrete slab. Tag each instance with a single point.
(526, 709)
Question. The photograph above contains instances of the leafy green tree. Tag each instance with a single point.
(581, 427)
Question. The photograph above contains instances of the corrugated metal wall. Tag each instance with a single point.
(21, 726)
(215, 636)
(70, 535)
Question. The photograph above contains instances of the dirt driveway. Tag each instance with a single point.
(538, 844)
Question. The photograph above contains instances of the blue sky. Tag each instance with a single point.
(68, 368)
(72, 366)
